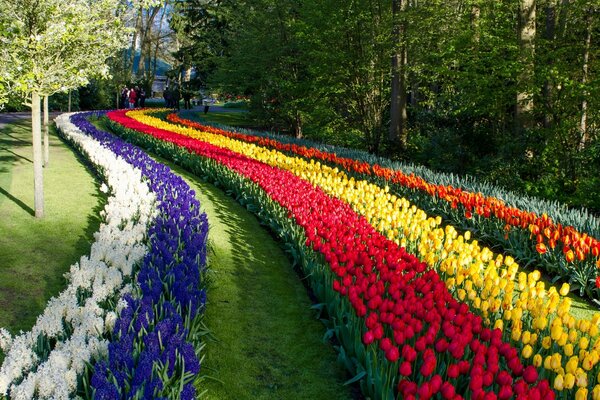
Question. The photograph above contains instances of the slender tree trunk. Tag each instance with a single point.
(524, 106)
(138, 29)
(38, 172)
(398, 116)
(550, 35)
(69, 106)
(298, 126)
(584, 78)
(562, 18)
(46, 143)
(475, 23)
(146, 31)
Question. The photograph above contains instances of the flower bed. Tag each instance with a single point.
(49, 360)
(156, 340)
(52, 360)
(536, 320)
(401, 328)
(568, 249)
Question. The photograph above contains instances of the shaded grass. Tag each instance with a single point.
(234, 118)
(34, 254)
(267, 341)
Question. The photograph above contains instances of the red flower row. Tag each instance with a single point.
(407, 310)
(575, 244)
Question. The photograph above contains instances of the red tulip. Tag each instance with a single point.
(530, 375)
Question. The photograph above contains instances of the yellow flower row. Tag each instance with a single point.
(538, 320)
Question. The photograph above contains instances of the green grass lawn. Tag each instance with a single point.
(266, 341)
(34, 254)
(239, 119)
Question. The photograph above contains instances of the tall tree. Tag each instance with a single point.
(526, 35)
(583, 126)
(398, 117)
(57, 46)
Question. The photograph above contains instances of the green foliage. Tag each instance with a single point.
(324, 70)
(96, 95)
(236, 104)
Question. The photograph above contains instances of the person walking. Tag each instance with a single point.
(167, 97)
(187, 96)
(124, 98)
(137, 96)
(132, 98)
(142, 98)
(175, 98)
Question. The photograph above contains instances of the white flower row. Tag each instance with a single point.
(119, 245)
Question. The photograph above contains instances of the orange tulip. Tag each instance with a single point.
(541, 248)
(570, 256)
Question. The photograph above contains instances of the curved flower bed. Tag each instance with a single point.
(470, 271)
(570, 249)
(400, 326)
(47, 361)
(102, 300)
(154, 352)
(536, 320)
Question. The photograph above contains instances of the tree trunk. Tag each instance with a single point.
(524, 106)
(550, 35)
(38, 173)
(398, 116)
(146, 31)
(475, 23)
(138, 29)
(298, 126)
(46, 143)
(69, 106)
(584, 78)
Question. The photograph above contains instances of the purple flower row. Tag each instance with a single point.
(150, 355)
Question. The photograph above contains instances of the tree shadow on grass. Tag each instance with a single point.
(17, 201)
(14, 156)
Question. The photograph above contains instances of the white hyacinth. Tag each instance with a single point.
(118, 246)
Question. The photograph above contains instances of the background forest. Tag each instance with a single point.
(506, 90)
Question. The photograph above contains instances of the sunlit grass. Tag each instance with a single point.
(35, 253)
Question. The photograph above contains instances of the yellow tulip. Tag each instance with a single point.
(572, 365)
(555, 361)
(581, 394)
(548, 362)
(559, 383)
(568, 349)
(564, 289)
(546, 342)
(527, 351)
(596, 392)
(499, 324)
(537, 360)
(569, 381)
(581, 380)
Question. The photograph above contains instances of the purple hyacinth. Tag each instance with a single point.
(170, 281)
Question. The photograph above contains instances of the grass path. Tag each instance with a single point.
(267, 341)
(34, 254)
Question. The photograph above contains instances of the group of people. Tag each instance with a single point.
(133, 98)
(173, 95)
